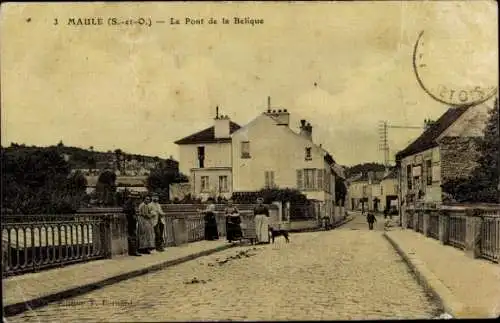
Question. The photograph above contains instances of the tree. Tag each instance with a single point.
(161, 177)
(482, 185)
(486, 175)
(270, 195)
(106, 188)
(364, 168)
(340, 191)
(38, 181)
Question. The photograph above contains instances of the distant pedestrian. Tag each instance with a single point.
(386, 211)
(145, 228)
(130, 213)
(233, 222)
(211, 232)
(160, 223)
(370, 218)
(261, 213)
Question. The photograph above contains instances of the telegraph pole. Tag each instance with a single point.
(383, 136)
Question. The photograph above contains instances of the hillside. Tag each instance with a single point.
(364, 168)
(80, 158)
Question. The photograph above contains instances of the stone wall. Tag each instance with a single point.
(458, 157)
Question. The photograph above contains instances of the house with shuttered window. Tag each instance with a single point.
(268, 153)
(446, 150)
(265, 153)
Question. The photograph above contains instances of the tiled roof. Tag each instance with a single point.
(207, 136)
(427, 140)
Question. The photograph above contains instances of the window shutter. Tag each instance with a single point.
(319, 183)
(299, 179)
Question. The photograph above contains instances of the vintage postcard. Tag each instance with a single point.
(249, 161)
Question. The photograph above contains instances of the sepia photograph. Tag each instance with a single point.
(249, 161)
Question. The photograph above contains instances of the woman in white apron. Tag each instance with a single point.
(261, 213)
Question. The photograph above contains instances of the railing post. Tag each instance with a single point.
(472, 234)
(426, 217)
(444, 227)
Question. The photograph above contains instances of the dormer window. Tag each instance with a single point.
(308, 153)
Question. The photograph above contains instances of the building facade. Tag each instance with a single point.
(446, 150)
(265, 153)
(282, 158)
(206, 158)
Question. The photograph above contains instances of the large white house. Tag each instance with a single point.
(266, 152)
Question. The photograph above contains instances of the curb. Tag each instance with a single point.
(318, 229)
(18, 308)
(429, 281)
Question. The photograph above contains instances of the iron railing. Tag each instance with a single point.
(433, 228)
(35, 242)
(490, 237)
(457, 229)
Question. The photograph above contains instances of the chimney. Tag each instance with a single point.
(370, 177)
(221, 126)
(281, 116)
(305, 129)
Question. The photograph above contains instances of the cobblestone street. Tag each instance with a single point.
(346, 273)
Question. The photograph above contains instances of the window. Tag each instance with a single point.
(327, 179)
(300, 179)
(408, 176)
(223, 187)
(201, 157)
(320, 183)
(308, 153)
(309, 179)
(245, 149)
(312, 179)
(269, 179)
(428, 170)
(205, 185)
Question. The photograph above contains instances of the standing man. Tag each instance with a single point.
(129, 210)
(370, 218)
(160, 225)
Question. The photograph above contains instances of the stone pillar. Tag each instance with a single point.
(426, 223)
(106, 236)
(444, 227)
(473, 235)
(180, 232)
(404, 217)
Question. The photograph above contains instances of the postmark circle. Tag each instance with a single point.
(445, 91)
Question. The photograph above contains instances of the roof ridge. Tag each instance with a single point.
(428, 138)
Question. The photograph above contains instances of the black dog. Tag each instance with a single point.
(276, 233)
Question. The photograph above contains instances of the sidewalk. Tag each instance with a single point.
(38, 289)
(466, 287)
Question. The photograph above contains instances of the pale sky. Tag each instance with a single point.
(141, 88)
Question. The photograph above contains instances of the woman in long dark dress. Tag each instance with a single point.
(211, 232)
(233, 223)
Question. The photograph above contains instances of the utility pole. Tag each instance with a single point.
(384, 146)
(384, 135)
